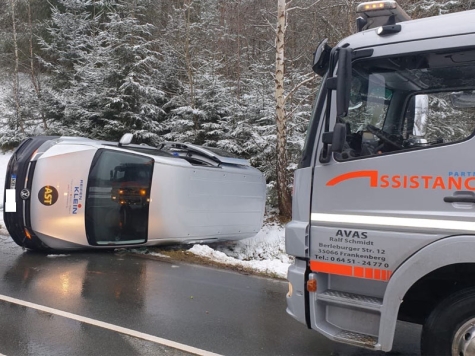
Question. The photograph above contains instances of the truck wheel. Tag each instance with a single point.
(450, 328)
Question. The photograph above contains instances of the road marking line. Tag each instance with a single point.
(101, 324)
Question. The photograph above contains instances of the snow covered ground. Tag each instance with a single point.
(263, 253)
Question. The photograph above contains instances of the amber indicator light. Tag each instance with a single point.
(312, 285)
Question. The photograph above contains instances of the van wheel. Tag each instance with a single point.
(450, 328)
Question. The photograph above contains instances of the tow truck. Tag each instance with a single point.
(383, 216)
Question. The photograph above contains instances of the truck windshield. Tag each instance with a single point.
(118, 198)
(412, 101)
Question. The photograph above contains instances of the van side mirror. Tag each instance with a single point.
(126, 139)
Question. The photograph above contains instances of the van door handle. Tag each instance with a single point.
(460, 199)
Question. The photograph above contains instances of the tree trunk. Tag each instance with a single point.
(188, 59)
(16, 94)
(33, 76)
(283, 191)
(238, 51)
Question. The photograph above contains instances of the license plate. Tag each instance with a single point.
(13, 181)
(10, 204)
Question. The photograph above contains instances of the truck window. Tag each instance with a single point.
(410, 102)
(443, 117)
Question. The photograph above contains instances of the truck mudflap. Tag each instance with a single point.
(297, 297)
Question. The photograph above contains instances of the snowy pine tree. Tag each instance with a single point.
(103, 75)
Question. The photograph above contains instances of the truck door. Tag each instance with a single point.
(401, 181)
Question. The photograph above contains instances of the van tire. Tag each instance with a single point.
(447, 320)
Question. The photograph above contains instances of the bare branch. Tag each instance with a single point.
(329, 24)
(272, 26)
(291, 114)
(295, 88)
(302, 8)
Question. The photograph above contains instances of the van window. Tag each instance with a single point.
(118, 198)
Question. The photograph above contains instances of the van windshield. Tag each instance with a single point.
(118, 198)
(411, 101)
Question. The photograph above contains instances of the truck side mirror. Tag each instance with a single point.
(343, 82)
(336, 138)
(339, 137)
(321, 58)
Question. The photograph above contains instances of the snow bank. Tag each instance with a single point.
(269, 267)
(264, 253)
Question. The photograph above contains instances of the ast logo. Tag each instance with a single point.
(48, 195)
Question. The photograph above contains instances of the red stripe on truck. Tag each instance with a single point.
(350, 271)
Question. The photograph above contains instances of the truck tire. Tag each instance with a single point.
(450, 328)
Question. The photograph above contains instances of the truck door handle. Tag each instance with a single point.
(460, 199)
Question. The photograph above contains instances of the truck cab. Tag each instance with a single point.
(383, 220)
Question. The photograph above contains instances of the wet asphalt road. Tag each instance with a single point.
(213, 310)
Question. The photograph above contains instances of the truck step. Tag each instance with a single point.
(351, 299)
(357, 339)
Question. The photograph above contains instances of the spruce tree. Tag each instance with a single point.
(103, 71)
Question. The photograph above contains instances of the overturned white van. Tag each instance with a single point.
(75, 193)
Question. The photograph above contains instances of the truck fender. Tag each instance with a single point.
(443, 252)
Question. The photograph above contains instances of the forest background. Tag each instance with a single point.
(233, 74)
